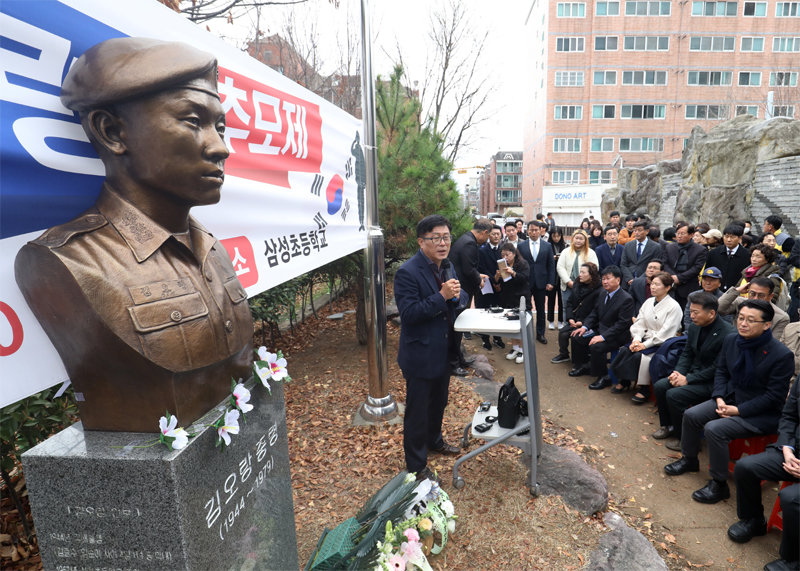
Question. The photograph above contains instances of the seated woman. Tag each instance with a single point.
(581, 303)
(570, 260)
(511, 289)
(762, 263)
(658, 320)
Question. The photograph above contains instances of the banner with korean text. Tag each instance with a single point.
(291, 201)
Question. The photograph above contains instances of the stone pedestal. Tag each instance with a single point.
(99, 502)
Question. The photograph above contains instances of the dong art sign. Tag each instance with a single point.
(289, 202)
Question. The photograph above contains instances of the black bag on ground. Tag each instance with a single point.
(508, 404)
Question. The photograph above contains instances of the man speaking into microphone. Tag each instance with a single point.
(427, 299)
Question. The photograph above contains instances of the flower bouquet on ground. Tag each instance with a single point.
(398, 528)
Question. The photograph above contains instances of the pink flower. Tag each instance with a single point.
(242, 397)
(411, 534)
(397, 562)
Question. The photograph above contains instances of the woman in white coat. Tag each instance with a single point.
(570, 261)
(659, 319)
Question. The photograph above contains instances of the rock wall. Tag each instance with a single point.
(744, 168)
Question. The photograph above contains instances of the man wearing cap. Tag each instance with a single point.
(710, 279)
(141, 301)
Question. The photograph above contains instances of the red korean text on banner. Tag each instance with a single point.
(243, 259)
(269, 132)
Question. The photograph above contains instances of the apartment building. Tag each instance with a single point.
(501, 183)
(624, 82)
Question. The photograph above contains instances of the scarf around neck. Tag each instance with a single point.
(747, 351)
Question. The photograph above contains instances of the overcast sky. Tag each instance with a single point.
(406, 23)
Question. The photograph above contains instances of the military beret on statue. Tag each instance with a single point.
(123, 69)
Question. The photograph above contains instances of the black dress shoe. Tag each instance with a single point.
(468, 336)
(446, 449)
(712, 492)
(600, 383)
(559, 359)
(782, 565)
(579, 371)
(682, 466)
(746, 529)
(541, 339)
(642, 396)
(623, 386)
(427, 474)
(487, 345)
(459, 372)
(499, 343)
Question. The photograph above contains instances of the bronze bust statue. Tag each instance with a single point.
(142, 302)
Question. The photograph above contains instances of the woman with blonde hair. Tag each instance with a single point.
(570, 260)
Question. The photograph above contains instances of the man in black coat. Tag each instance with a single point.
(427, 299)
(488, 254)
(638, 253)
(692, 381)
(610, 253)
(640, 287)
(683, 260)
(750, 385)
(464, 259)
(779, 462)
(731, 258)
(539, 255)
(607, 328)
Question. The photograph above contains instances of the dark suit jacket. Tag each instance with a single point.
(761, 402)
(487, 264)
(543, 270)
(631, 266)
(698, 362)
(696, 258)
(464, 257)
(612, 320)
(638, 290)
(789, 424)
(731, 269)
(425, 320)
(604, 257)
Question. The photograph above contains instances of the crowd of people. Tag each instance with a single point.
(706, 321)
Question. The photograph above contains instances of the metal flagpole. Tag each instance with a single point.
(379, 404)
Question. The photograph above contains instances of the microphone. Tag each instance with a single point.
(449, 274)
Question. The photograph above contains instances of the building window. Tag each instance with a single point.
(563, 145)
(606, 9)
(605, 78)
(786, 44)
(569, 111)
(506, 196)
(605, 43)
(646, 43)
(644, 77)
(747, 110)
(573, 44)
(599, 177)
(783, 111)
(706, 111)
(752, 44)
(602, 144)
(709, 78)
(714, 8)
(507, 181)
(603, 111)
(569, 79)
(648, 8)
(566, 177)
(758, 9)
(643, 111)
(641, 145)
(787, 9)
(783, 79)
(750, 78)
(712, 43)
(571, 10)
(508, 166)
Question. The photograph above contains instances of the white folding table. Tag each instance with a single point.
(485, 322)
